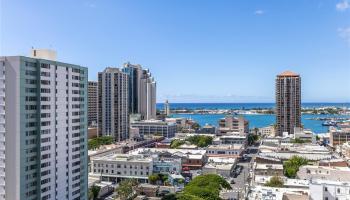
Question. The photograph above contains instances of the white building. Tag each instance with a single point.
(329, 190)
(113, 113)
(117, 167)
(46, 128)
(2, 129)
(225, 150)
(148, 128)
(310, 172)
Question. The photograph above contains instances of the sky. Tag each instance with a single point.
(197, 50)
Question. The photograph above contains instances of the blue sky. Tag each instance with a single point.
(198, 50)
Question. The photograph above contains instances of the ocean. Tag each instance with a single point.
(255, 120)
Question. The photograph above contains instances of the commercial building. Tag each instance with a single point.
(234, 124)
(92, 103)
(113, 112)
(148, 128)
(230, 139)
(117, 167)
(339, 137)
(268, 130)
(141, 91)
(190, 158)
(310, 172)
(329, 190)
(233, 151)
(46, 126)
(288, 102)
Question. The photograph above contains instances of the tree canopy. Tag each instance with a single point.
(126, 188)
(97, 142)
(204, 187)
(275, 181)
(198, 140)
(291, 166)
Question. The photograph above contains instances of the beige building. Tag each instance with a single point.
(288, 102)
(92, 103)
(233, 124)
(113, 113)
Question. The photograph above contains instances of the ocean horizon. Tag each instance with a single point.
(255, 120)
(247, 105)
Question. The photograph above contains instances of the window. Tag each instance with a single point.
(325, 189)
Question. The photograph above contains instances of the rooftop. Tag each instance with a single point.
(288, 73)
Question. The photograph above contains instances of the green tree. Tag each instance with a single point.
(93, 192)
(291, 166)
(275, 181)
(176, 143)
(126, 188)
(153, 178)
(97, 142)
(205, 187)
(252, 138)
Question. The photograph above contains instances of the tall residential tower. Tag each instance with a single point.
(288, 102)
(92, 103)
(46, 128)
(113, 110)
(142, 91)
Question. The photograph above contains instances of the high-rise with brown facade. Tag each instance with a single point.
(92, 103)
(288, 102)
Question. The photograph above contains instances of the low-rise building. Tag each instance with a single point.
(167, 164)
(190, 158)
(268, 130)
(311, 172)
(222, 169)
(230, 139)
(339, 137)
(268, 169)
(233, 124)
(329, 190)
(207, 129)
(226, 150)
(148, 128)
(117, 167)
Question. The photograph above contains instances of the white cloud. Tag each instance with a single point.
(342, 6)
(259, 12)
(345, 34)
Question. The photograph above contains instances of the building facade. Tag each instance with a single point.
(92, 103)
(2, 129)
(118, 167)
(288, 102)
(46, 126)
(234, 124)
(113, 112)
(167, 108)
(339, 137)
(329, 190)
(141, 91)
(148, 128)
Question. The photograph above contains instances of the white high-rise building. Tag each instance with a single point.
(141, 92)
(113, 112)
(2, 130)
(166, 108)
(46, 129)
